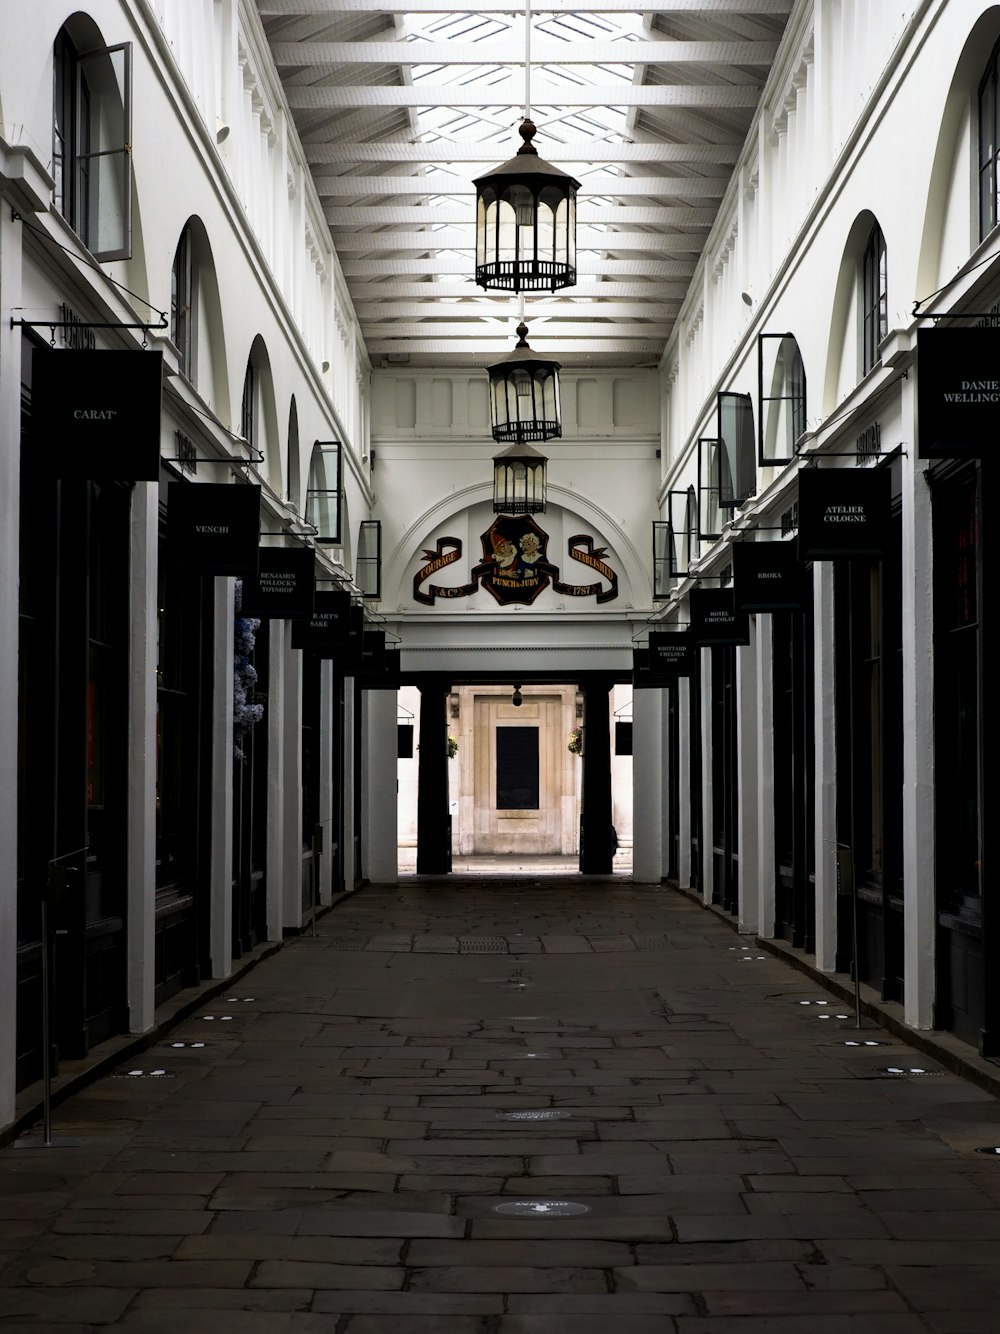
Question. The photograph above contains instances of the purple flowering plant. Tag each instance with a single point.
(246, 712)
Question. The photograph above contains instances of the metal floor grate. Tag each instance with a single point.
(346, 942)
(482, 945)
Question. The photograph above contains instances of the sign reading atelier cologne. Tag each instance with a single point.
(715, 620)
(325, 632)
(844, 512)
(96, 414)
(958, 392)
(213, 527)
(767, 576)
(284, 586)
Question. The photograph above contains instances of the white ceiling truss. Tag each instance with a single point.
(400, 107)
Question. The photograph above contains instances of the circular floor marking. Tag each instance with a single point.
(542, 1208)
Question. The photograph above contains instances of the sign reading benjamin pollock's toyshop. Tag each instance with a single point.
(96, 414)
(284, 586)
(958, 392)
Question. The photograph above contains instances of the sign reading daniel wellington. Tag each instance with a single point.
(767, 576)
(844, 512)
(958, 392)
(97, 413)
(213, 527)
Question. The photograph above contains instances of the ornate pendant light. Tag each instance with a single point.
(524, 395)
(519, 481)
(526, 214)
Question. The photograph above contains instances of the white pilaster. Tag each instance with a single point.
(685, 795)
(291, 775)
(327, 760)
(705, 841)
(378, 853)
(349, 858)
(648, 786)
(765, 778)
(750, 794)
(221, 885)
(141, 873)
(278, 650)
(919, 923)
(826, 767)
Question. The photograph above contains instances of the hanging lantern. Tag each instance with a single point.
(524, 395)
(519, 481)
(526, 223)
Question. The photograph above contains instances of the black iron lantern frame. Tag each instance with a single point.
(519, 481)
(526, 223)
(524, 395)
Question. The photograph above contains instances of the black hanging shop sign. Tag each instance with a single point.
(372, 652)
(671, 654)
(214, 527)
(326, 631)
(284, 586)
(844, 512)
(715, 620)
(386, 679)
(96, 414)
(767, 576)
(958, 392)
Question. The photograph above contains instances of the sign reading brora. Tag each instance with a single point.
(284, 586)
(515, 567)
(844, 512)
(96, 414)
(958, 392)
(670, 656)
(213, 527)
(327, 631)
(767, 576)
(715, 620)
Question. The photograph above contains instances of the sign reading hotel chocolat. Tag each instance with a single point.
(284, 586)
(844, 512)
(715, 620)
(767, 576)
(326, 630)
(213, 527)
(958, 392)
(96, 414)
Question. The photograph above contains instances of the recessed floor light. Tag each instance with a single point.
(542, 1208)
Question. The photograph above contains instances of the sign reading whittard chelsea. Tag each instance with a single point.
(284, 586)
(767, 576)
(213, 527)
(844, 512)
(97, 414)
(670, 655)
(326, 631)
(715, 620)
(958, 392)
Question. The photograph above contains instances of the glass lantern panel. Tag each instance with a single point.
(507, 240)
(481, 225)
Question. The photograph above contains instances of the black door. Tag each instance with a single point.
(250, 751)
(794, 782)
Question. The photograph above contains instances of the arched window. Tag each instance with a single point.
(92, 138)
(989, 144)
(323, 491)
(874, 306)
(183, 320)
(781, 381)
(293, 492)
(249, 416)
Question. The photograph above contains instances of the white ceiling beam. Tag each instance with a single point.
(586, 239)
(629, 349)
(680, 187)
(591, 289)
(322, 8)
(544, 94)
(591, 270)
(510, 51)
(388, 150)
(390, 215)
(374, 315)
(552, 330)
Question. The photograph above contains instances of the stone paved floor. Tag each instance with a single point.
(334, 1158)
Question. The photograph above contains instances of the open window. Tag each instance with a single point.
(781, 388)
(368, 566)
(682, 508)
(714, 482)
(323, 491)
(662, 560)
(739, 445)
(874, 299)
(92, 141)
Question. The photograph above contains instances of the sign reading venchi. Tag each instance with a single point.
(958, 392)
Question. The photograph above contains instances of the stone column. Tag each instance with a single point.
(649, 818)
(597, 851)
(433, 819)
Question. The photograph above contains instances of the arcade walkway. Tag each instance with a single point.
(512, 1107)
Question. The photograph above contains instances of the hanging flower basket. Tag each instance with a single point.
(452, 747)
(575, 746)
(247, 710)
